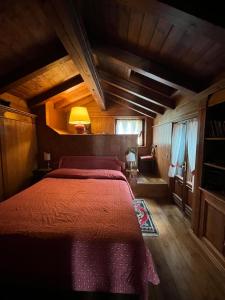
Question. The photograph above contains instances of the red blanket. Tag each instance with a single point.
(77, 234)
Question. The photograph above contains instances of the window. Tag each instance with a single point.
(131, 126)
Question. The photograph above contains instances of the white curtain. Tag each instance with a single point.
(130, 127)
(192, 135)
(178, 149)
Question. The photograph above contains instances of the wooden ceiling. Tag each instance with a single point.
(166, 36)
(138, 54)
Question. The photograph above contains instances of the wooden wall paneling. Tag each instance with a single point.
(1, 166)
(58, 145)
(215, 227)
(18, 151)
(15, 102)
(102, 126)
(162, 138)
(186, 107)
(217, 98)
(54, 118)
(212, 227)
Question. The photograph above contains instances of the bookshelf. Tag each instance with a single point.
(211, 178)
(213, 173)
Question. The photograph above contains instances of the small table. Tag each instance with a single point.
(131, 175)
(38, 174)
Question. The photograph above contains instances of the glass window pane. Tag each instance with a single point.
(131, 126)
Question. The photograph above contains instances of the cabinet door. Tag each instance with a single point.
(212, 224)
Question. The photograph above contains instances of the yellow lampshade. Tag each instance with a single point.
(79, 115)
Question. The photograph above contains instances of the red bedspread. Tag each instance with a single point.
(77, 234)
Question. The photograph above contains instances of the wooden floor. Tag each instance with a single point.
(184, 272)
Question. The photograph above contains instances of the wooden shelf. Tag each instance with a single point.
(215, 139)
(217, 166)
(216, 194)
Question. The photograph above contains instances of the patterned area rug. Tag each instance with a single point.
(148, 228)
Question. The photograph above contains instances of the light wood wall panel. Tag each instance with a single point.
(18, 151)
(185, 107)
(93, 144)
(102, 122)
(1, 173)
(162, 138)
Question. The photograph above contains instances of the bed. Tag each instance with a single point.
(75, 230)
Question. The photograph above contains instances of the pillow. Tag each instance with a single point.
(91, 162)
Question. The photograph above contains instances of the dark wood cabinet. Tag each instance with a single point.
(211, 174)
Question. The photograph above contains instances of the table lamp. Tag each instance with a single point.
(131, 159)
(79, 117)
(47, 157)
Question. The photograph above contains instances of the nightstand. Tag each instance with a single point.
(131, 175)
(38, 174)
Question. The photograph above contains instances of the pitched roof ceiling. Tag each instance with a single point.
(145, 52)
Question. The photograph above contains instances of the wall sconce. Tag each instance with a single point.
(79, 117)
(47, 157)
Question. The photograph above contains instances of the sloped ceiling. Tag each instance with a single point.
(138, 54)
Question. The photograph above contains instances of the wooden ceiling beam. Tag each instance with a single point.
(33, 69)
(112, 90)
(41, 98)
(139, 110)
(70, 30)
(140, 91)
(151, 69)
(148, 82)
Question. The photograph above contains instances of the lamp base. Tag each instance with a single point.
(80, 128)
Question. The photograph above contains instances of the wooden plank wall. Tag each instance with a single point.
(94, 144)
(1, 171)
(18, 152)
(162, 138)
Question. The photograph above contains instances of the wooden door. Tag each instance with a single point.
(183, 183)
